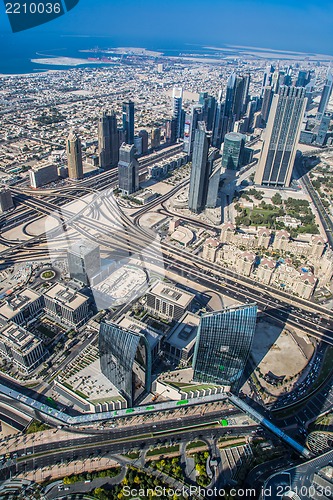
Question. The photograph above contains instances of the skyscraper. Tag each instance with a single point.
(266, 103)
(200, 169)
(246, 89)
(128, 121)
(223, 344)
(191, 123)
(171, 131)
(325, 95)
(233, 151)
(74, 156)
(156, 138)
(321, 129)
(234, 106)
(6, 200)
(177, 108)
(218, 123)
(108, 147)
(303, 78)
(281, 137)
(213, 185)
(208, 106)
(128, 169)
(144, 135)
(84, 261)
(125, 358)
(267, 78)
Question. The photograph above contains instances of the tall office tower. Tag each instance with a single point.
(84, 261)
(246, 89)
(126, 359)
(213, 185)
(267, 79)
(108, 147)
(276, 80)
(266, 103)
(6, 200)
(156, 138)
(74, 156)
(177, 108)
(200, 171)
(281, 137)
(145, 136)
(223, 344)
(202, 97)
(208, 105)
(218, 122)
(138, 145)
(128, 121)
(171, 131)
(325, 95)
(251, 109)
(303, 78)
(128, 169)
(121, 137)
(234, 101)
(309, 89)
(233, 151)
(228, 115)
(237, 106)
(191, 123)
(322, 128)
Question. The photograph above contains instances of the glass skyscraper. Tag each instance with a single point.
(128, 169)
(108, 147)
(326, 94)
(128, 121)
(281, 137)
(124, 357)
(201, 169)
(177, 109)
(223, 344)
(84, 261)
(233, 150)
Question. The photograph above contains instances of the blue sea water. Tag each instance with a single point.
(17, 50)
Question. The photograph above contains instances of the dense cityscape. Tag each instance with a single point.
(166, 264)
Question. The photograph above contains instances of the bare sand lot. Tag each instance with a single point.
(277, 351)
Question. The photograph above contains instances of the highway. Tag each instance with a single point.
(133, 239)
(82, 451)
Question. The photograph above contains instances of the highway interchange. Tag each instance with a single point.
(315, 320)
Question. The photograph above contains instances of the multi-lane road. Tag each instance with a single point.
(315, 320)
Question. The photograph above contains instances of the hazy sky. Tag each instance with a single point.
(287, 24)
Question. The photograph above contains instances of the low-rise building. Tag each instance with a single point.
(43, 174)
(66, 305)
(21, 307)
(179, 345)
(168, 301)
(210, 249)
(183, 235)
(21, 347)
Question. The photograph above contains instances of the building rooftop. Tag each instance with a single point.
(184, 333)
(183, 235)
(139, 327)
(83, 248)
(15, 303)
(172, 294)
(19, 338)
(67, 296)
